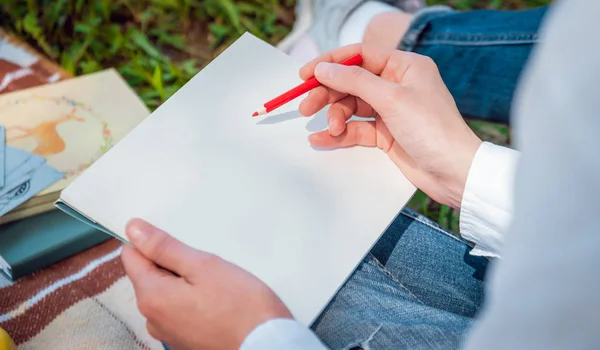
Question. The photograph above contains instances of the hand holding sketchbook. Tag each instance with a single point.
(251, 191)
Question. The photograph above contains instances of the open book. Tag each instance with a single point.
(251, 190)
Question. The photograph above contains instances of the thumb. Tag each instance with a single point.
(161, 248)
(359, 82)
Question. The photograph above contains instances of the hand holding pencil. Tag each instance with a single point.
(301, 89)
(416, 121)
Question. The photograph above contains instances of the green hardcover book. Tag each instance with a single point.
(40, 241)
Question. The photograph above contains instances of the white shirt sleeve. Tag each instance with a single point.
(487, 204)
(282, 334)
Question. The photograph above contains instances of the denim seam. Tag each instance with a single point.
(426, 222)
(416, 36)
(505, 36)
(477, 43)
(391, 275)
(481, 39)
(419, 22)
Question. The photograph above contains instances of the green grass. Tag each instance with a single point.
(158, 45)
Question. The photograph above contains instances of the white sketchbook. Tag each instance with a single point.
(251, 190)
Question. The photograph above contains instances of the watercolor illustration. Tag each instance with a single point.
(49, 142)
(64, 131)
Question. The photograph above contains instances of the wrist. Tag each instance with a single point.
(461, 165)
(275, 310)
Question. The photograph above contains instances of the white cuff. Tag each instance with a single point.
(282, 334)
(487, 204)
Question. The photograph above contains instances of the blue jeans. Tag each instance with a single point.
(419, 288)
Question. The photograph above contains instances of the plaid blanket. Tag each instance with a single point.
(85, 302)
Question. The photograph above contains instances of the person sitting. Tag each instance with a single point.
(421, 287)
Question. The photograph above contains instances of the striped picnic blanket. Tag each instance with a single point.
(85, 302)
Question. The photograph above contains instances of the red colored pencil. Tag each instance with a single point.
(301, 89)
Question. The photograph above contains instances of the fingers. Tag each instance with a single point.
(346, 108)
(153, 331)
(317, 99)
(339, 113)
(355, 134)
(363, 82)
(356, 81)
(351, 106)
(142, 272)
(375, 58)
(161, 249)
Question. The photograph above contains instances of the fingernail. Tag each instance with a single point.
(325, 70)
(137, 230)
(330, 123)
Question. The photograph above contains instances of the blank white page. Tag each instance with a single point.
(251, 190)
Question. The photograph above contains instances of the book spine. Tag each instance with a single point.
(57, 253)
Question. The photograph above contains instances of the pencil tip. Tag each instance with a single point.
(261, 111)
